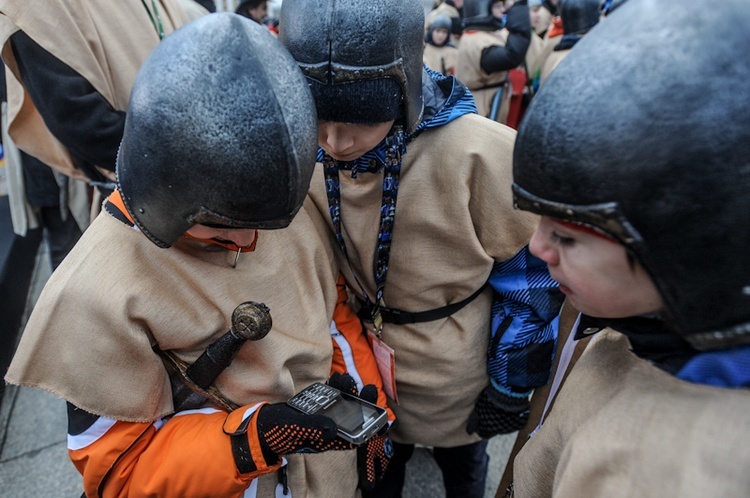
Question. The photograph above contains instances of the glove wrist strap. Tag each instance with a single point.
(243, 457)
(247, 449)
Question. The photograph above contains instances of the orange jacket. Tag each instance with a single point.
(190, 453)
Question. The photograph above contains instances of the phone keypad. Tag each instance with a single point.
(314, 398)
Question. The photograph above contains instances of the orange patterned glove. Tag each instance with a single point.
(374, 455)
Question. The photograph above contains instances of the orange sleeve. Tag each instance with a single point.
(352, 353)
(189, 454)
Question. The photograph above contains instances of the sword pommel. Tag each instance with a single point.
(251, 321)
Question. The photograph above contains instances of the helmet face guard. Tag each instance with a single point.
(342, 43)
(632, 135)
(221, 131)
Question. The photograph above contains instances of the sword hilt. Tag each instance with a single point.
(250, 322)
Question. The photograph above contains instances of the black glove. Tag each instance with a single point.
(497, 413)
(279, 430)
(518, 20)
(283, 430)
(374, 455)
(510, 55)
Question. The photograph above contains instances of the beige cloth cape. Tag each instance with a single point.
(471, 74)
(193, 9)
(534, 56)
(441, 59)
(104, 41)
(89, 337)
(550, 63)
(454, 219)
(621, 427)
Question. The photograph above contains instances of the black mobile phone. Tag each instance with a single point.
(356, 419)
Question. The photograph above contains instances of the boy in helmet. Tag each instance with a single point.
(439, 53)
(416, 189)
(454, 10)
(578, 17)
(495, 40)
(218, 149)
(644, 225)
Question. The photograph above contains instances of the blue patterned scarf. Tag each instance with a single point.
(446, 99)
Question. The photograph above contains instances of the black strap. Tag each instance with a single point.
(243, 457)
(490, 85)
(401, 317)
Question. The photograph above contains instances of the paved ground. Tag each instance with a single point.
(34, 461)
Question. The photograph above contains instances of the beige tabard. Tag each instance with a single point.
(89, 338)
(621, 427)
(534, 57)
(454, 219)
(441, 59)
(483, 85)
(105, 42)
(550, 63)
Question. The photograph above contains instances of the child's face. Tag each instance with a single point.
(260, 12)
(594, 272)
(349, 141)
(439, 36)
(499, 8)
(534, 16)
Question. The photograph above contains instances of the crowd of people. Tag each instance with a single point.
(499, 217)
(503, 50)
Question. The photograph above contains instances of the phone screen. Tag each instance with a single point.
(350, 415)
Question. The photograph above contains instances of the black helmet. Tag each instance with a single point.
(579, 16)
(478, 14)
(656, 154)
(442, 21)
(362, 58)
(221, 131)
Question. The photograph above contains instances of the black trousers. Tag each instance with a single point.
(464, 471)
